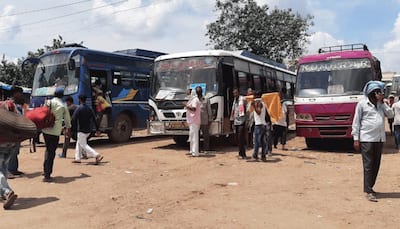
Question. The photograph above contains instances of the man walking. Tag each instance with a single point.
(13, 165)
(52, 135)
(238, 116)
(7, 150)
(396, 124)
(259, 112)
(369, 132)
(67, 139)
(84, 119)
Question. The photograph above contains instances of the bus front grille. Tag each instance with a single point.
(333, 131)
(341, 118)
(169, 114)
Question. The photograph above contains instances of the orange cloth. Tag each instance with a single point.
(273, 102)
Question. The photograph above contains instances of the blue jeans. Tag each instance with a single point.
(260, 140)
(13, 163)
(5, 154)
(397, 134)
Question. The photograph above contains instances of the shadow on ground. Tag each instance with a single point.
(26, 203)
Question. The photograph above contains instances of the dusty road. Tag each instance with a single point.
(152, 183)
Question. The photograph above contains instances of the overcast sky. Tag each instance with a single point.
(180, 25)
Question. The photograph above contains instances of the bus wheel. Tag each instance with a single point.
(181, 140)
(122, 129)
(313, 143)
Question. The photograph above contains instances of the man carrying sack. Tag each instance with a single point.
(18, 128)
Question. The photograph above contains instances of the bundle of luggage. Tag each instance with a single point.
(14, 127)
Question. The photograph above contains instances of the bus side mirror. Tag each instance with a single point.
(71, 64)
(378, 70)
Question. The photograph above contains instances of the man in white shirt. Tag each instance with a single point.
(368, 132)
(259, 111)
(193, 116)
(396, 123)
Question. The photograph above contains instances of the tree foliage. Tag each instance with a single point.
(11, 73)
(243, 25)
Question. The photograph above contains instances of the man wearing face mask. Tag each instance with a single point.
(368, 132)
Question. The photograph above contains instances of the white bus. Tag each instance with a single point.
(217, 72)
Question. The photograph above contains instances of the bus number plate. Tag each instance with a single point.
(178, 125)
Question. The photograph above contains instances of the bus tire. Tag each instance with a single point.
(122, 129)
(181, 140)
(313, 143)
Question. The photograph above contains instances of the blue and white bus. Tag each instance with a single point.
(122, 76)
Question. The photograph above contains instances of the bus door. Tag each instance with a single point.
(227, 87)
(100, 92)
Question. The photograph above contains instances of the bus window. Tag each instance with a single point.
(116, 78)
(141, 80)
(242, 83)
(126, 79)
(278, 86)
(257, 83)
(250, 83)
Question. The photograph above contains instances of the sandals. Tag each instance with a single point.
(98, 159)
(9, 201)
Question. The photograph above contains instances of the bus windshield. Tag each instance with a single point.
(51, 72)
(173, 77)
(333, 77)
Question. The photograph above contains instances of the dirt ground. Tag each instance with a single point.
(150, 182)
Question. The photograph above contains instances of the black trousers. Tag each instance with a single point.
(240, 138)
(279, 132)
(51, 142)
(371, 155)
(206, 136)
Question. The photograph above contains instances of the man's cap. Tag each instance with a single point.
(372, 86)
(59, 90)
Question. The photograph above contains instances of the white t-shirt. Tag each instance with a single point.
(282, 120)
(259, 119)
(194, 117)
(396, 109)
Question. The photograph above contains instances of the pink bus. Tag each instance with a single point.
(329, 85)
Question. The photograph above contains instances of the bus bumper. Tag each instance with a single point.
(167, 128)
(323, 131)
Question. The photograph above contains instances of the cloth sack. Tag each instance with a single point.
(42, 117)
(15, 127)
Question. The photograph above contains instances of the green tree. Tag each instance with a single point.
(242, 24)
(9, 72)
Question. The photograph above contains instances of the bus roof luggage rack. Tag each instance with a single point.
(261, 58)
(339, 48)
(141, 52)
(74, 45)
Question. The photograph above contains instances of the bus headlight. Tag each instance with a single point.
(304, 117)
